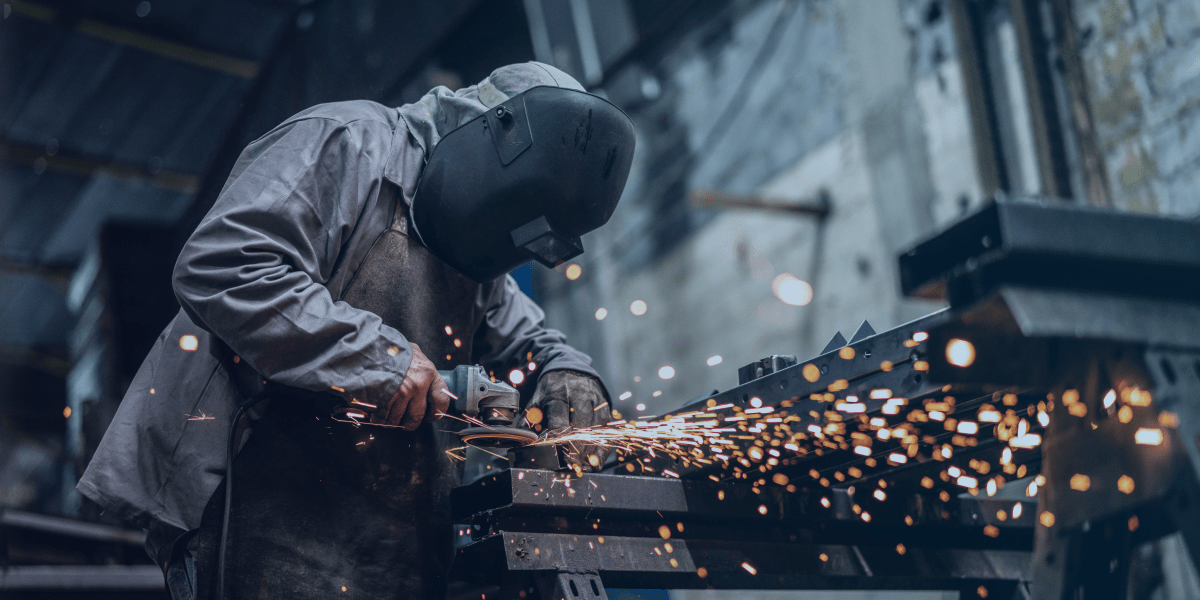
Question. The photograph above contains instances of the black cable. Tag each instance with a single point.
(229, 452)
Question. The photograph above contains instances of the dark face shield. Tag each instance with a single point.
(524, 180)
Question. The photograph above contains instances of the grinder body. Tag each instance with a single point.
(489, 406)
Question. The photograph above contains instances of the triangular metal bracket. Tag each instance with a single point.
(864, 331)
(837, 342)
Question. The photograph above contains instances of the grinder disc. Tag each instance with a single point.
(497, 437)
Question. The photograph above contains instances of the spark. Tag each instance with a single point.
(189, 343)
(574, 271)
(516, 377)
(1080, 482)
(638, 307)
(960, 353)
(200, 417)
(1125, 484)
(791, 290)
(1147, 436)
(714, 360)
(666, 372)
(601, 313)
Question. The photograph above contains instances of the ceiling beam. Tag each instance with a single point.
(124, 36)
(58, 276)
(48, 363)
(81, 165)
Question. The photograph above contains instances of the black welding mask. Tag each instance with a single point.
(524, 181)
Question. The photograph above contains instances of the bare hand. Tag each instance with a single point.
(422, 396)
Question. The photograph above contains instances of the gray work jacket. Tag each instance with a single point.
(259, 283)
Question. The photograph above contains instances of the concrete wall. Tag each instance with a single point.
(1142, 64)
(864, 99)
(783, 99)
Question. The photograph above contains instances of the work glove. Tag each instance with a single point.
(422, 396)
(566, 398)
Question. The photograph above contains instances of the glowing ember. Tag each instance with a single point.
(516, 377)
(625, 396)
(67, 412)
(749, 568)
(574, 271)
(601, 313)
(714, 360)
(638, 308)
(666, 372)
(1047, 519)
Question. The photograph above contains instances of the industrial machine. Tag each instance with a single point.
(1019, 444)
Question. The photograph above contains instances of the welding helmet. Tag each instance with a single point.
(523, 181)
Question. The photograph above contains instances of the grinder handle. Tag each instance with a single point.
(456, 381)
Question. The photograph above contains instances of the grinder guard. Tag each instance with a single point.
(524, 180)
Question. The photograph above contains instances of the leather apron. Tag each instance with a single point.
(320, 504)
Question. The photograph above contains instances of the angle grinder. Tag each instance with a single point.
(493, 404)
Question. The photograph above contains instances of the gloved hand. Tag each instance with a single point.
(422, 396)
(566, 398)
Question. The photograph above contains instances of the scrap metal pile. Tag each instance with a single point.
(1017, 444)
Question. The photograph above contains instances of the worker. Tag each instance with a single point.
(354, 250)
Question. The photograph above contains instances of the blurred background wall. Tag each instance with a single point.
(788, 150)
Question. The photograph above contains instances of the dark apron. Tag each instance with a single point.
(319, 504)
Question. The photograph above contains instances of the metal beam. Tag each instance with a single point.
(639, 562)
(124, 36)
(11, 518)
(818, 207)
(81, 165)
(58, 276)
(136, 578)
(49, 364)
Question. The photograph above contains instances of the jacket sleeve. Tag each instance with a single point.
(253, 271)
(513, 333)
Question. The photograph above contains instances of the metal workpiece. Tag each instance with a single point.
(1055, 245)
(619, 502)
(1021, 444)
(642, 562)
